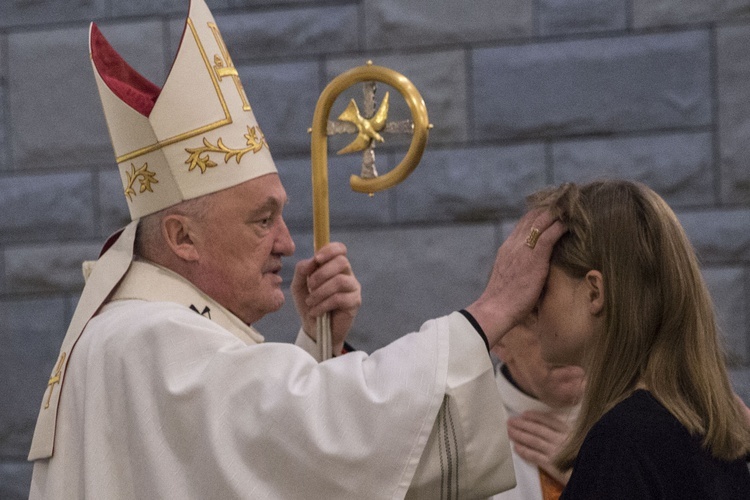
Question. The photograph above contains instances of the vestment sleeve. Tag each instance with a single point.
(304, 342)
(466, 438)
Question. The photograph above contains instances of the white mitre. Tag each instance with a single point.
(195, 136)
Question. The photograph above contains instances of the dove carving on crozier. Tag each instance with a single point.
(367, 128)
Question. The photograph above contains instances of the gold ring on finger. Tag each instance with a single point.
(533, 237)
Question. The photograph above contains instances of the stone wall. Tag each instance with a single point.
(522, 93)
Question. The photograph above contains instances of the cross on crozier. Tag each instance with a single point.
(367, 127)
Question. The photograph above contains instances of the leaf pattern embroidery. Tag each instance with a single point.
(144, 176)
(199, 157)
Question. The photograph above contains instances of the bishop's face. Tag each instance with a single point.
(240, 243)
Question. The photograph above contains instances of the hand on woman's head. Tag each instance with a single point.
(518, 275)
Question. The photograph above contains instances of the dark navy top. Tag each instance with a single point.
(639, 450)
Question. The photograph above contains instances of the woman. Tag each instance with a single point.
(625, 299)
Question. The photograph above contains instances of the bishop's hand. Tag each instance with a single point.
(537, 438)
(326, 283)
(520, 270)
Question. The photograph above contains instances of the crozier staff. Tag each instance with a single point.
(163, 389)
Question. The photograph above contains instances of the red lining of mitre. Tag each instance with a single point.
(126, 83)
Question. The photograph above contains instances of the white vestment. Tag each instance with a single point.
(516, 402)
(163, 400)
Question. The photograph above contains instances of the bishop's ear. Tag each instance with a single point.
(177, 231)
(595, 289)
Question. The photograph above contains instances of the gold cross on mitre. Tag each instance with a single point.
(225, 67)
(368, 128)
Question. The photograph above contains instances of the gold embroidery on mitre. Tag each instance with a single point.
(203, 161)
(200, 129)
(55, 379)
(226, 67)
(144, 175)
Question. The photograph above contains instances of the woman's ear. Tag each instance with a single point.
(595, 289)
(177, 231)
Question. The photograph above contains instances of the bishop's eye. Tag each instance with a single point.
(265, 222)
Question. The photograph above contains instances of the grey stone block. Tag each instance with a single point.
(471, 184)
(4, 126)
(733, 46)
(719, 236)
(558, 17)
(346, 207)
(413, 274)
(58, 120)
(727, 288)
(295, 174)
(394, 23)
(46, 207)
(677, 166)
(113, 209)
(37, 12)
(439, 78)
(4, 119)
(649, 13)
(71, 302)
(593, 86)
(49, 268)
(31, 336)
(291, 32)
(283, 98)
(740, 378)
(3, 286)
(3, 60)
(150, 7)
(255, 3)
(15, 480)
(506, 228)
(175, 27)
(214, 5)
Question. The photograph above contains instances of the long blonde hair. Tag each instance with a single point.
(659, 327)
